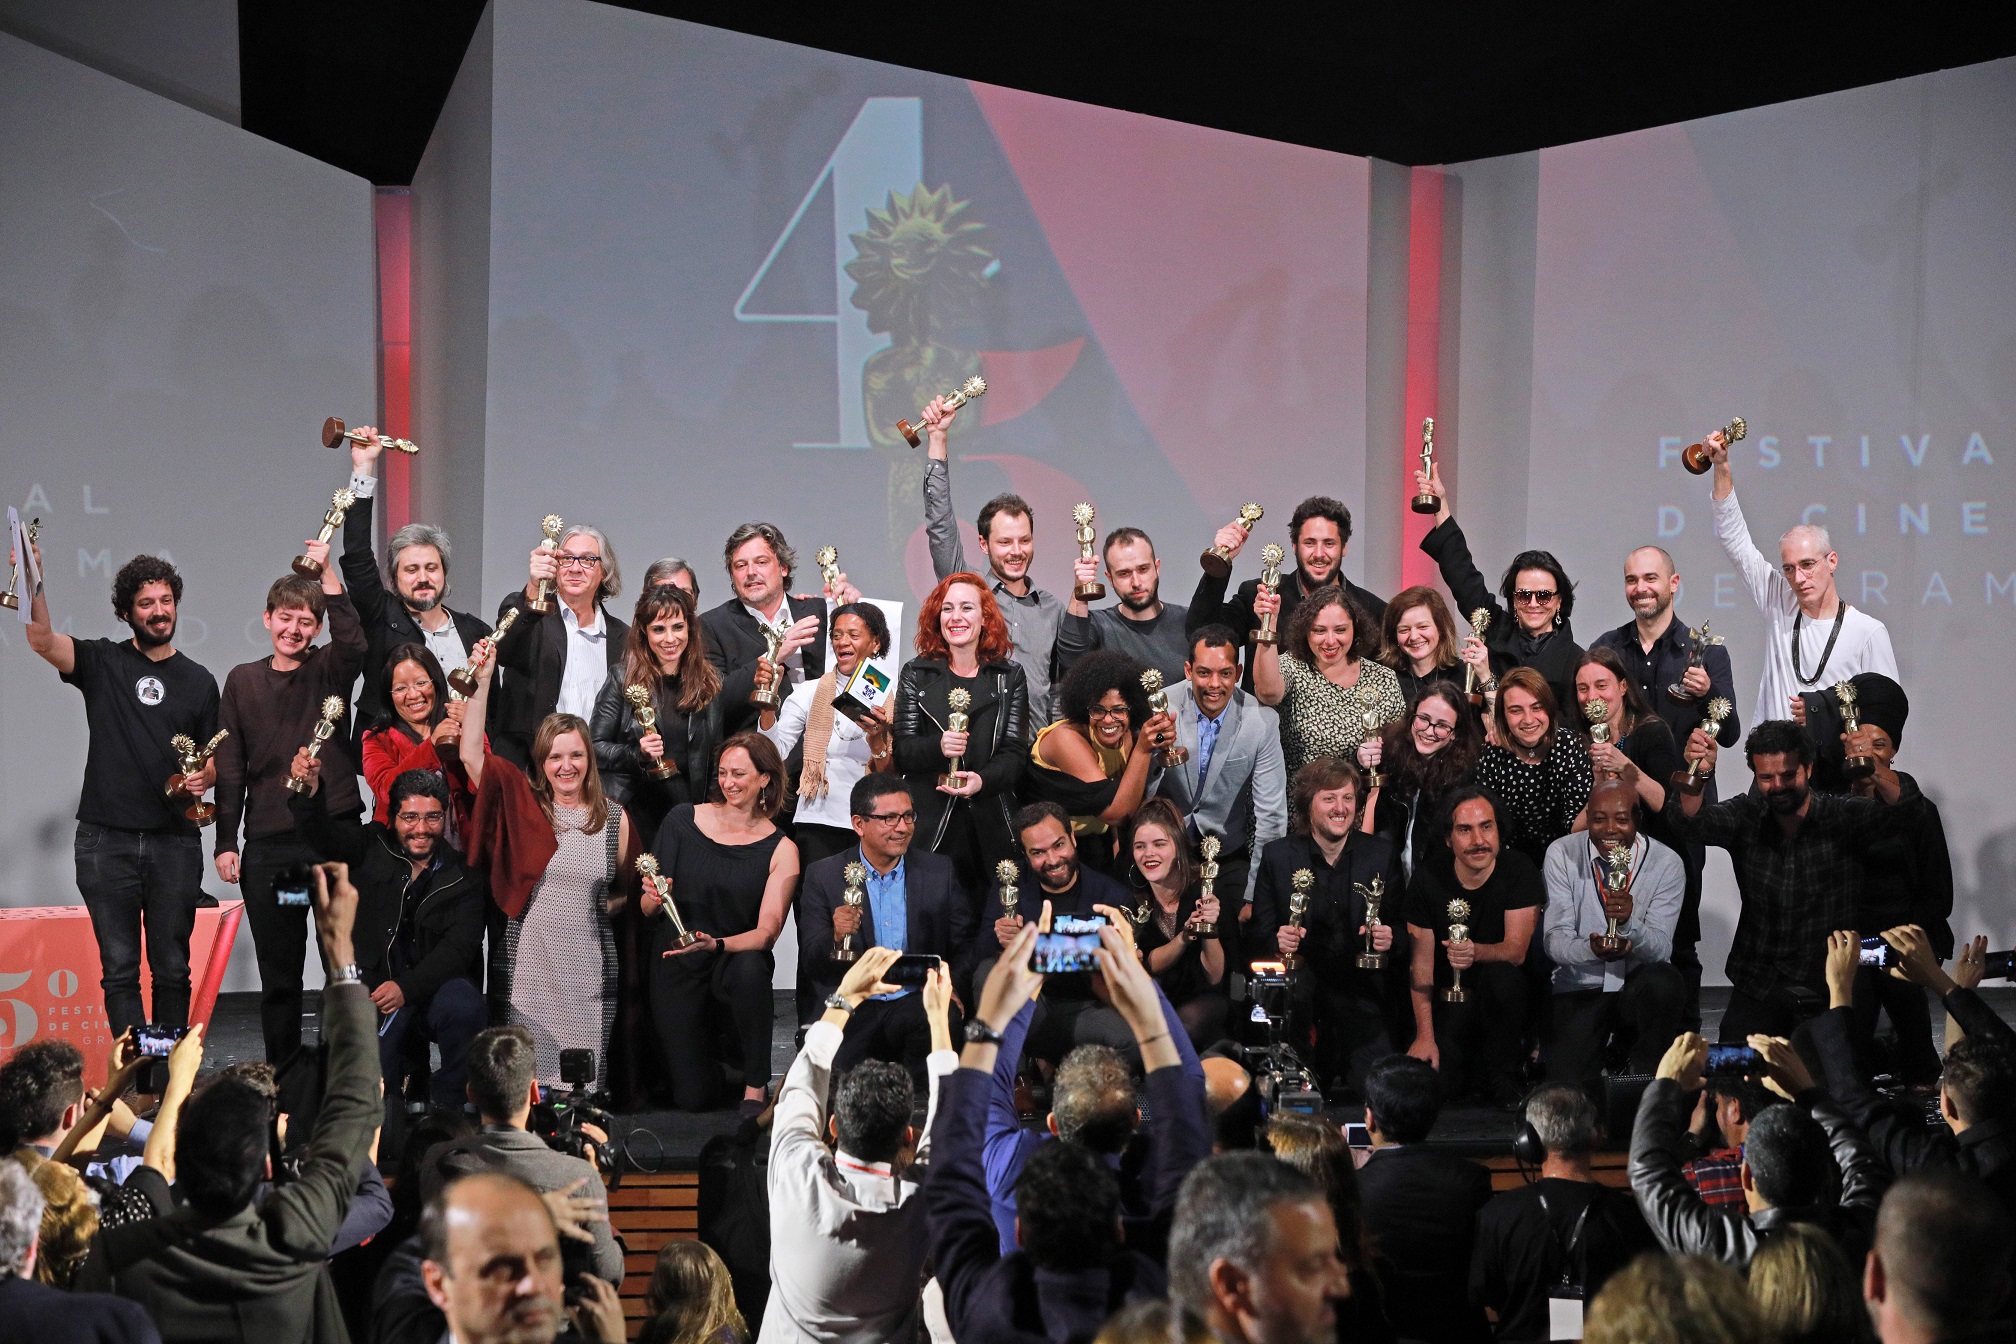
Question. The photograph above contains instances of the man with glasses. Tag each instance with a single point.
(910, 902)
(419, 931)
(556, 663)
(1816, 639)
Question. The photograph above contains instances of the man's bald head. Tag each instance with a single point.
(1651, 558)
(492, 1261)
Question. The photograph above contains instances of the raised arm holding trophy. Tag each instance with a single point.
(1427, 501)
(307, 566)
(462, 681)
(1217, 561)
(542, 600)
(973, 387)
(335, 434)
(1088, 545)
(11, 599)
(1697, 457)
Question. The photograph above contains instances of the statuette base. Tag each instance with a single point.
(1858, 767)
(1216, 563)
(1089, 592)
(1424, 503)
(1455, 994)
(1371, 961)
(665, 769)
(307, 568)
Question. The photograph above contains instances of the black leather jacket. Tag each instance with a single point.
(997, 748)
(621, 761)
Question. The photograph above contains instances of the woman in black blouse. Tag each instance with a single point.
(662, 654)
(1188, 965)
(1422, 757)
(1636, 734)
(1539, 766)
(1418, 640)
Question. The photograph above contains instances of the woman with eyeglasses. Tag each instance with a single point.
(1418, 641)
(419, 729)
(1098, 761)
(1320, 677)
(1536, 632)
(1434, 748)
(1539, 766)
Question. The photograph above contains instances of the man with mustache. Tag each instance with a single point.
(1799, 859)
(415, 609)
(270, 708)
(139, 859)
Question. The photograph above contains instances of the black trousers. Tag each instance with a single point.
(1686, 957)
(897, 1031)
(1482, 1039)
(279, 938)
(1747, 1013)
(689, 994)
(139, 884)
(1645, 1015)
(1910, 1016)
(1339, 1024)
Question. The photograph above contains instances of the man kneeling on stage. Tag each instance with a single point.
(1620, 989)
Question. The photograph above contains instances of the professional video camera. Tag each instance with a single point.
(1283, 1081)
(558, 1120)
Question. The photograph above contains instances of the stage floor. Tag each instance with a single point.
(671, 1141)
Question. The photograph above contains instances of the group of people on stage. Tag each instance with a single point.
(1485, 851)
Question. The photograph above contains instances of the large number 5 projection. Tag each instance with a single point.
(883, 151)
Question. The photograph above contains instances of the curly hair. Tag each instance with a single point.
(871, 617)
(1097, 673)
(1530, 681)
(136, 574)
(1295, 639)
(1320, 506)
(43, 1080)
(1407, 767)
(995, 642)
(69, 1219)
(1406, 600)
(697, 682)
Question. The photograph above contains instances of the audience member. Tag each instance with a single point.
(1155, 1322)
(848, 1236)
(1421, 1207)
(43, 1114)
(69, 1218)
(1721, 1122)
(1805, 1291)
(1673, 1299)
(1316, 1148)
(691, 1299)
(1939, 1270)
(34, 1310)
(1546, 1248)
(1255, 1252)
(1143, 626)
(491, 1265)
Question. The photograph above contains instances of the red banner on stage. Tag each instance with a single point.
(49, 977)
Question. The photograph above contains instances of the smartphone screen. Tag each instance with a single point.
(290, 884)
(910, 970)
(1073, 924)
(157, 1042)
(2001, 966)
(1876, 952)
(1064, 953)
(1356, 1135)
(1733, 1061)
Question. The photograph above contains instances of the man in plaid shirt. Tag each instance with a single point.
(1798, 857)
(1727, 1107)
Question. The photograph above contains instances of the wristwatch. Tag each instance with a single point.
(840, 1002)
(979, 1033)
(353, 974)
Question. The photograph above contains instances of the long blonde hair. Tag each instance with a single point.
(691, 1298)
(1806, 1291)
(597, 802)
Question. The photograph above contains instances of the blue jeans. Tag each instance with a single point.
(134, 881)
(451, 1020)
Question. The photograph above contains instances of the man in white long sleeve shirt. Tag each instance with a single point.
(848, 1237)
(1634, 992)
(1816, 639)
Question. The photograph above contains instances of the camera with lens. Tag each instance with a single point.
(558, 1119)
(1283, 1081)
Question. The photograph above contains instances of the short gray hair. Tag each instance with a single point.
(612, 572)
(787, 559)
(661, 571)
(411, 535)
(20, 1219)
(1564, 1118)
(1813, 530)
(1223, 1214)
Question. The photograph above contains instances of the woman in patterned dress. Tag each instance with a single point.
(1539, 765)
(1321, 678)
(555, 848)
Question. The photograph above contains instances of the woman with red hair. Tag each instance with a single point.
(963, 645)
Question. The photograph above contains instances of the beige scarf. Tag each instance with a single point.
(818, 734)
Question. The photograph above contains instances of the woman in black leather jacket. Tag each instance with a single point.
(962, 643)
(664, 656)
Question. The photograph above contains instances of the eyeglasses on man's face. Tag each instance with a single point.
(588, 561)
(890, 818)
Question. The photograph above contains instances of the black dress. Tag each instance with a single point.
(719, 890)
(1202, 1005)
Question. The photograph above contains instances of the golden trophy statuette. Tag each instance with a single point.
(646, 714)
(1459, 932)
(769, 694)
(339, 504)
(1372, 893)
(1088, 546)
(1005, 873)
(661, 887)
(1298, 905)
(11, 599)
(1695, 456)
(1369, 717)
(958, 700)
(1616, 882)
(1853, 767)
(1175, 753)
(455, 697)
(325, 728)
(1207, 877)
(335, 435)
(1271, 557)
(191, 758)
(542, 601)
(1598, 715)
(1426, 501)
(1691, 780)
(828, 560)
(975, 386)
(1217, 561)
(1480, 621)
(462, 681)
(855, 876)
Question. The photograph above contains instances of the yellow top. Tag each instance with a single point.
(1112, 760)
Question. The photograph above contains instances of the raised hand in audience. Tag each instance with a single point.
(1786, 1073)
(1844, 955)
(1685, 1061)
(598, 1315)
(574, 1213)
(1915, 960)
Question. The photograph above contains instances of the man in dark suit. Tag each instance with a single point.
(222, 1266)
(37, 1311)
(1420, 1207)
(760, 567)
(415, 610)
(556, 663)
(911, 901)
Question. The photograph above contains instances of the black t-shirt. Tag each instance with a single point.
(1514, 884)
(1524, 1243)
(133, 705)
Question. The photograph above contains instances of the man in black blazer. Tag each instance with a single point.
(911, 901)
(415, 610)
(37, 1311)
(760, 566)
(1420, 1207)
(557, 662)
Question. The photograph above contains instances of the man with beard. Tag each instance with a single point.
(270, 708)
(1631, 992)
(1143, 626)
(1799, 858)
(1007, 528)
(139, 858)
(415, 609)
(1320, 532)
